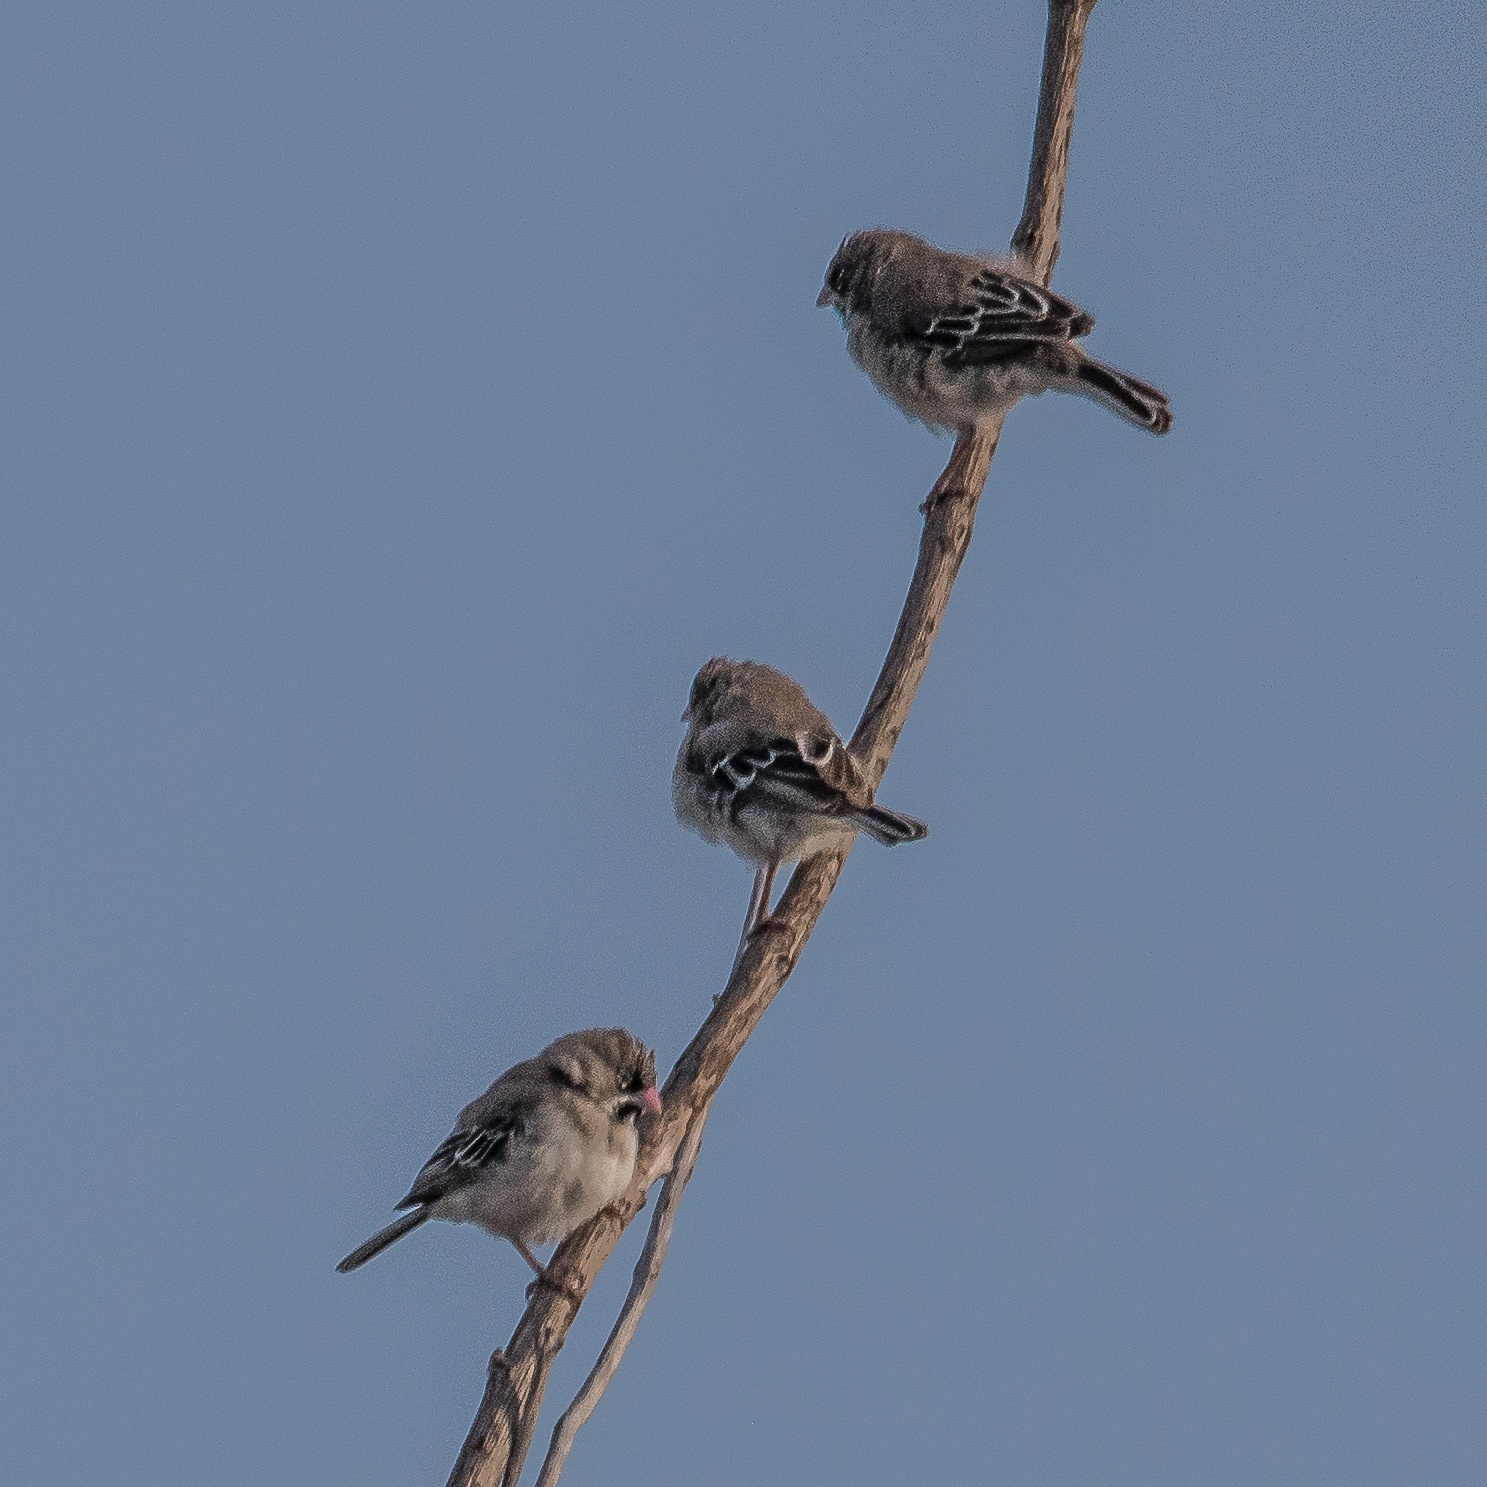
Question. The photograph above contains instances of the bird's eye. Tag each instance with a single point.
(835, 278)
(633, 1085)
(565, 1075)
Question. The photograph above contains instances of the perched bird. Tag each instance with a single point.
(955, 340)
(762, 770)
(548, 1145)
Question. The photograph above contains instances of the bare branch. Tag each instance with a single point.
(642, 1286)
(1036, 240)
(496, 1445)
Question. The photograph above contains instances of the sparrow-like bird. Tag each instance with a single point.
(762, 770)
(955, 340)
(548, 1145)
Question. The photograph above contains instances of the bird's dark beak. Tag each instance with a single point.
(824, 298)
(652, 1098)
(687, 713)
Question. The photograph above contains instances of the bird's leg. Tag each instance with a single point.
(759, 899)
(545, 1277)
(758, 915)
(529, 1257)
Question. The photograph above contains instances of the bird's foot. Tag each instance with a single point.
(940, 495)
(547, 1281)
(763, 925)
(767, 922)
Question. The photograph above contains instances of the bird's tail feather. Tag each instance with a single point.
(889, 827)
(1136, 401)
(384, 1237)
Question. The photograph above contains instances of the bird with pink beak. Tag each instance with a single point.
(549, 1144)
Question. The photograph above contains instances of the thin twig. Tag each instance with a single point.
(513, 1395)
(1036, 240)
(642, 1287)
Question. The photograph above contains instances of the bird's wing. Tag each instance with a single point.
(998, 316)
(462, 1155)
(817, 776)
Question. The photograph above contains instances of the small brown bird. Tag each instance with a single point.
(763, 771)
(548, 1145)
(956, 340)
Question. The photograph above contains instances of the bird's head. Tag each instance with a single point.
(709, 687)
(848, 277)
(607, 1065)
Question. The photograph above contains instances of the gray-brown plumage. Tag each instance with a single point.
(956, 340)
(548, 1145)
(763, 771)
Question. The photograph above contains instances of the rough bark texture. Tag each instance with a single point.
(497, 1443)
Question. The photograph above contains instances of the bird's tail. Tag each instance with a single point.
(889, 827)
(1136, 401)
(384, 1237)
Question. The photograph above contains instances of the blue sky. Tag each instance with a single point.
(400, 402)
